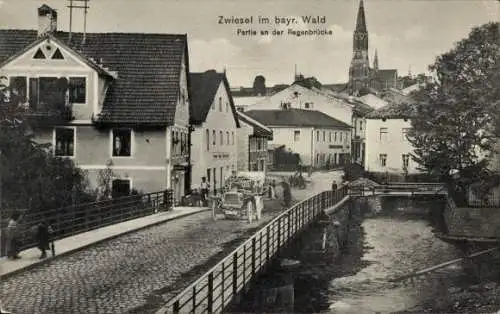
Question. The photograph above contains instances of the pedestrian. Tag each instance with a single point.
(13, 236)
(287, 195)
(204, 186)
(42, 236)
(334, 186)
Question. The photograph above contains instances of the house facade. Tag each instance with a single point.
(253, 138)
(387, 146)
(215, 127)
(319, 139)
(91, 98)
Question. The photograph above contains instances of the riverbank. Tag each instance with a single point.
(472, 299)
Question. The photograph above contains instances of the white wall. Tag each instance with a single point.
(216, 156)
(309, 145)
(395, 145)
(243, 143)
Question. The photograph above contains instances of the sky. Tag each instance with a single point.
(408, 34)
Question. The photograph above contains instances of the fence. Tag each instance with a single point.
(213, 291)
(71, 220)
(407, 188)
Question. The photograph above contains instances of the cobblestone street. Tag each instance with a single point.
(119, 275)
(130, 273)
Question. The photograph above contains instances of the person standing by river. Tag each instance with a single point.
(12, 237)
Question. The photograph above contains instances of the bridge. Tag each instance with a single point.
(157, 269)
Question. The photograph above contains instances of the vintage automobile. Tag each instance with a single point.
(242, 198)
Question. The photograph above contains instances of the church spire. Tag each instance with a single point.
(375, 61)
(361, 21)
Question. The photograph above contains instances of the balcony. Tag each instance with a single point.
(43, 113)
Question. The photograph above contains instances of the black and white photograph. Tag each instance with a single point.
(249, 156)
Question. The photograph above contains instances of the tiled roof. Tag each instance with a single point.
(258, 129)
(295, 118)
(202, 90)
(148, 66)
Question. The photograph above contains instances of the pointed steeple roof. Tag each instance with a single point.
(375, 60)
(361, 21)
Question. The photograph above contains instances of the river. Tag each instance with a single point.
(379, 247)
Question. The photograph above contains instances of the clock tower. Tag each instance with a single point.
(359, 70)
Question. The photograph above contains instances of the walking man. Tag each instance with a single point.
(204, 186)
(43, 233)
(13, 236)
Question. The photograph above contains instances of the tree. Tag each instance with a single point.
(455, 116)
(259, 85)
(31, 176)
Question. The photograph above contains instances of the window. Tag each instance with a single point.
(221, 138)
(340, 136)
(259, 144)
(317, 136)
(383, 160)
(361, 125)
(383, 134)
(404, 132)
(220, 104)
(227, 107)
(296, 135)
(207, 139)
(227, 139)
(330, 139)
(406, 161)
(335, 137)
(77, 90)
(214, 140)
(232, 138)
(120, 188)
(324, 136)
(64, 142)
(122, 142)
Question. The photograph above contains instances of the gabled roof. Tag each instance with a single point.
(296, 118)
(148, 66)
(258, 128)
(202, 90)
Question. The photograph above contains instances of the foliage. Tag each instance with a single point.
(31, 176)
(456, 114)
(104, 182)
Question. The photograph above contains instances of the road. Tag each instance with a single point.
(127, 274)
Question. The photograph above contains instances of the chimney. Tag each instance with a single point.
(47, 20)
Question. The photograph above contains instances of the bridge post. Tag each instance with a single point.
(253, 256)
(267, 244)
(235, 274)
(289, 227)
(210, 296)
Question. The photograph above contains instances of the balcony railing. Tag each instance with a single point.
(46, 113)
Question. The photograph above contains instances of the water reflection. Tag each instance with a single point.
(393, 246)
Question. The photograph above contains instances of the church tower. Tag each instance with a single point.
(359, 70)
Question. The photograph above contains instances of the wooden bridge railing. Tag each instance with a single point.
(214, 290)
